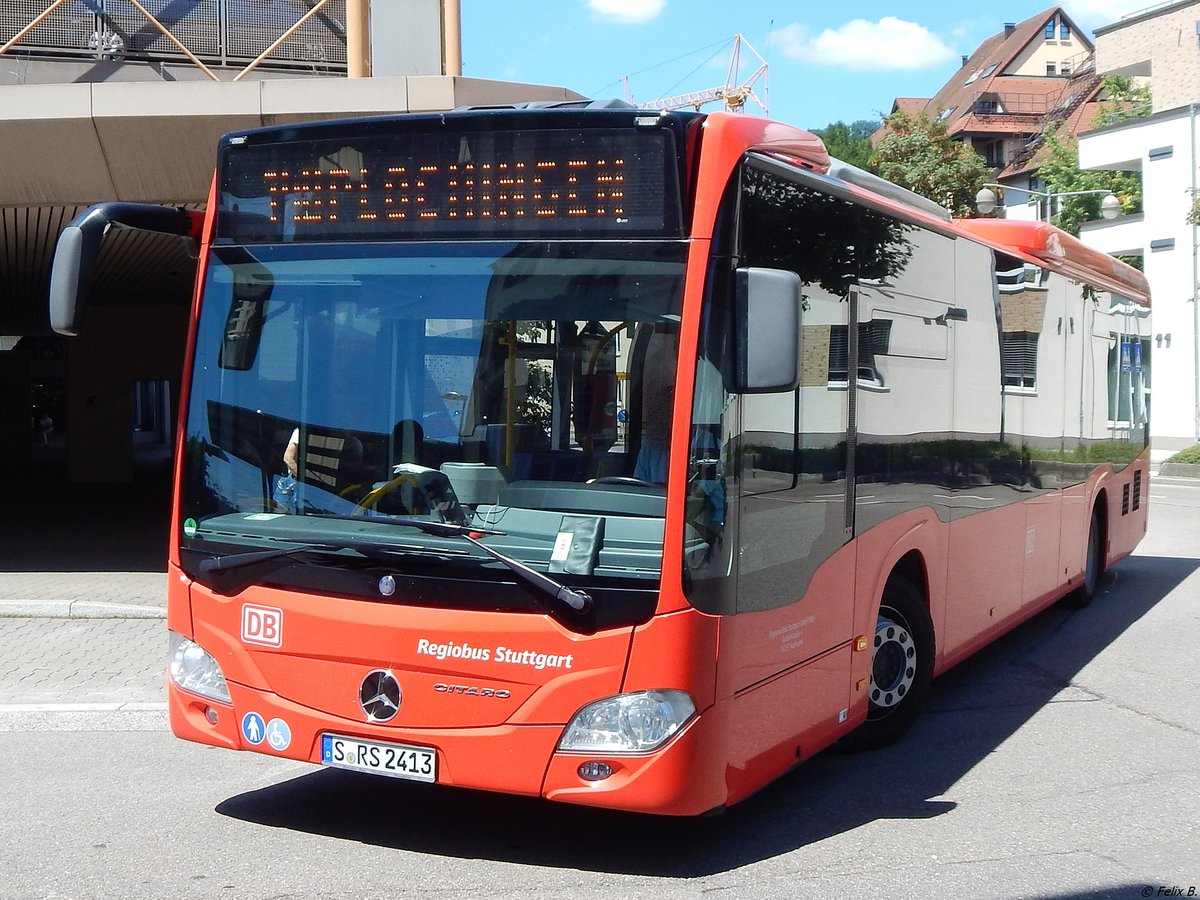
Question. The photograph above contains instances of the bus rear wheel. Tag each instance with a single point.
(1093, 566)
(901, 667)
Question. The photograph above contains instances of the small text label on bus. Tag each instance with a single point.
(464, 650)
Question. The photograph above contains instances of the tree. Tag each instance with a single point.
(1122, 99)
(849, 143)
(920, 155)
(1060, 173)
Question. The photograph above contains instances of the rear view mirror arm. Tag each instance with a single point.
(79, 246)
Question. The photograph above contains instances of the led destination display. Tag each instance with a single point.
(406, 185)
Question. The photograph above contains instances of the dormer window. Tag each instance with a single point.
(1062, 26)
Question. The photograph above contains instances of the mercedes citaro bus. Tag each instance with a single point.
(616, 458)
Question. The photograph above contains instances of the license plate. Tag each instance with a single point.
(396, 760)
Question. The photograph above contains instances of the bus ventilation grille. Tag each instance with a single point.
(1125, 500)
(1137, 490)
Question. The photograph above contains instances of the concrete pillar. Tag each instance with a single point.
(358, 38)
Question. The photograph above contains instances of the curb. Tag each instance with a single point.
(1179, 470)
(77, 609)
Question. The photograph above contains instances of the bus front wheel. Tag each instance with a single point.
(901, 667)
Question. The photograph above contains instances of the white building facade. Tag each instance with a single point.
(1164, 45)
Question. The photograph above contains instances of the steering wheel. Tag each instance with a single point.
(374, 496)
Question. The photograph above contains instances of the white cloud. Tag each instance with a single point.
(627, 12)
(888, 44)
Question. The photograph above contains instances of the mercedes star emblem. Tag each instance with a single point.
(379, 696)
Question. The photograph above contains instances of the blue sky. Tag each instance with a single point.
(818, 72)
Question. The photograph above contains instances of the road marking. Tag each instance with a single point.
(61, 708)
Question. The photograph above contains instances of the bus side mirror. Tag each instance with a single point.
(79, 245)
(769, 303)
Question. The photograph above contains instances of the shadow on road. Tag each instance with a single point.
(972, 710)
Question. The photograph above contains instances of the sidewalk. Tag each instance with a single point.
(83, 595)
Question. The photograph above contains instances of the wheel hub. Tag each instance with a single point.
(894, 665)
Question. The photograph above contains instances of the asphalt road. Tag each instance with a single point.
(1060, 762)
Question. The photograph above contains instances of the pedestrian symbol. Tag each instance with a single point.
(279, 736)
(253, 728)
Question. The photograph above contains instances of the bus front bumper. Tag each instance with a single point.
(681, 778)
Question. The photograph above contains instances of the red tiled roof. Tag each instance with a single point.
(909, 104)
(1080, 119)
(1027, 96)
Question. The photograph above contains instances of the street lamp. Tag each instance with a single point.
(985, 200)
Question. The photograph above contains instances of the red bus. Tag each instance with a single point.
(616, 458)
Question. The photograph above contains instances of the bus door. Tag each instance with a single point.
(784, 552)
(1040, 385)
(987, 483)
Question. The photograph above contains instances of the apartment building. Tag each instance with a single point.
(1161, 44)
(1003, 94)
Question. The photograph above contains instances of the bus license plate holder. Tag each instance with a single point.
(379, 757)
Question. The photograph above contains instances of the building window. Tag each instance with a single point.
(1064, 30)
(1050, 69)
(987, 107)
(1050, 30)
(994, 154)
(1064, 67)
(1018, 359)
(874, 337)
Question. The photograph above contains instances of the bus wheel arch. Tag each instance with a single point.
(902, 660)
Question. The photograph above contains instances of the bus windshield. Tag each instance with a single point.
(522, 387)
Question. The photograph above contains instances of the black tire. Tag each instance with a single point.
(901, 668)
(1093, 566)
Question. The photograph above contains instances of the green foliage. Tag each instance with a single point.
(1193, 216)
(849, 143)
(1190, 456)
(1123, 99)
(920, 155)
(1061, 174)
(825, 240)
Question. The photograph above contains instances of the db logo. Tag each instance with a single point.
(262, 625)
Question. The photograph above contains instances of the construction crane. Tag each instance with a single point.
(733, 93)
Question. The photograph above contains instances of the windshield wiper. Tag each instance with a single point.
(579, 601)
(217, 571)
(218, 565)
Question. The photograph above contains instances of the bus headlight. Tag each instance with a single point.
(194, 669)
(628, 723)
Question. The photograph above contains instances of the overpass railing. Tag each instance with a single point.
(233, 34)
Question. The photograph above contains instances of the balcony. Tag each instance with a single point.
(222, 33)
